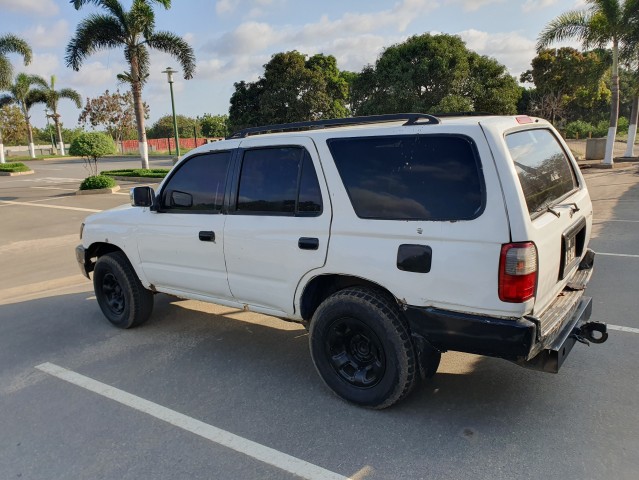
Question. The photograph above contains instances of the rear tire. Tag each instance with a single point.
(122, 298)
(362, 348)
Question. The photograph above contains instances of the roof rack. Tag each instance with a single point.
(466, 114)
(410, 118)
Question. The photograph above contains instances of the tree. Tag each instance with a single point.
(115, 112)
(135, 32)
(631, 56)
(293, 88)
(21, 94)
(214, 125)
(433, 73)
(10, 44)
(92, 146)
(163, 127)
(50, 97)
(569, 84)
(604, 22)
(12, 124)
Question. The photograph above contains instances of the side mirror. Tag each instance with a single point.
(142, 197)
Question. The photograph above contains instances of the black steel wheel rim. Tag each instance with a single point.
(355, 352)
(113, 294)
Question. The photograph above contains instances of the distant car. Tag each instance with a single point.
(392, 238)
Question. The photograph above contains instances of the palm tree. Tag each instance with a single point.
(135, 32)
(25, 97)
(10, 44)
(604, 22)
(50, 97)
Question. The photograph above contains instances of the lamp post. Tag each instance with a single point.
(169, 76)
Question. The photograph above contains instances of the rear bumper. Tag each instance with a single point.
(539, 343)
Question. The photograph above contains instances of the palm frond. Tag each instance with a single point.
(95, 32)
(177, 47)
(6, 99)
(72, 95)
(141, 18)
(114, 7)
(38, 80)
(13, 44)
(6, 72)
(572, 24)
(35, 96)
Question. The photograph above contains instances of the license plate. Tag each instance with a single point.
(570, 251)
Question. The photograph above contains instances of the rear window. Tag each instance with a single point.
(410, 177)
(545, 172)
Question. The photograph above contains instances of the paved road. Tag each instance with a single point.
(251, 376)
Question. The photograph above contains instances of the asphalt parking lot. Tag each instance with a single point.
(208, 392)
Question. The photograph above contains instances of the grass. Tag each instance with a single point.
(13, 167)
(137, 172)
(27, 158)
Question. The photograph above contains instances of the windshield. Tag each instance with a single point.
(544, 170)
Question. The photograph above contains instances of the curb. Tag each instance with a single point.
(15, 174)
(137, 179)
(98, 190)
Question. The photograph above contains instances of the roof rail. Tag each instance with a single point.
(466, 114)
(411, 119)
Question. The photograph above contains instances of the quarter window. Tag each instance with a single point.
(411, 177)
(279, 181)
(198, 185)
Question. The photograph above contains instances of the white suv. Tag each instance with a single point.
(392, 238)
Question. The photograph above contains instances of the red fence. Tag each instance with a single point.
(162, 144)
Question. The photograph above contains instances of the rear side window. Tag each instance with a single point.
(544, 170)
(411, 177)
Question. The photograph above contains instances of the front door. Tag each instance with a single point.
(181, 245)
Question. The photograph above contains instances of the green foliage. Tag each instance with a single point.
(138, 172)
(13, 167)
(11, 44)
(163, 128)
(214, 125)
(433, 73)
(95, 182)
(92, 145)
(43, 135)
(579, 129)
(293, 88)
(13, 128)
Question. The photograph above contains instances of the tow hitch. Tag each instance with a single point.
(595, 332)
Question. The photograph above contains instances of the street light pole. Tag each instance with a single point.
(169, 75)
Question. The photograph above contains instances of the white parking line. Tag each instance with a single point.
(255, 450)
(623, 329)
(617, 255)
(57, 188)
(29, 204)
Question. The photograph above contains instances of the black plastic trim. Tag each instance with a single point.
(414, 258)
(447, 330)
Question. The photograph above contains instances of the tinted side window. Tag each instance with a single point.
(198, 185)
(416, 177)
(543, 169)
(309, 200)
(279, 181)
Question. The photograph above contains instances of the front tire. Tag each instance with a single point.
(122, 298)
(361, 347)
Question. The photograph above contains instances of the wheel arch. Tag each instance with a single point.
(319, 288)
(97, 249)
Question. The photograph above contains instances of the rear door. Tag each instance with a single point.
(557, 211)
(279, 220)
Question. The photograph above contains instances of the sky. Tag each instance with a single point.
(233, 39)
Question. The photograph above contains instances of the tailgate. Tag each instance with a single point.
(557, 206)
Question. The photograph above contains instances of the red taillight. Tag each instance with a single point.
(517, 272)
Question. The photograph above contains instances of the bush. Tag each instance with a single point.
(138, 172)
(13, 167)
(92, 146)
(579, 128)
(95, 182)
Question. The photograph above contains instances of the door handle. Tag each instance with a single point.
(207, 236)
(308, 243)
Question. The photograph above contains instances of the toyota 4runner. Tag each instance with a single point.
(392, 238)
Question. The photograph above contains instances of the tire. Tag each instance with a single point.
(362, 348)
(122, 298)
